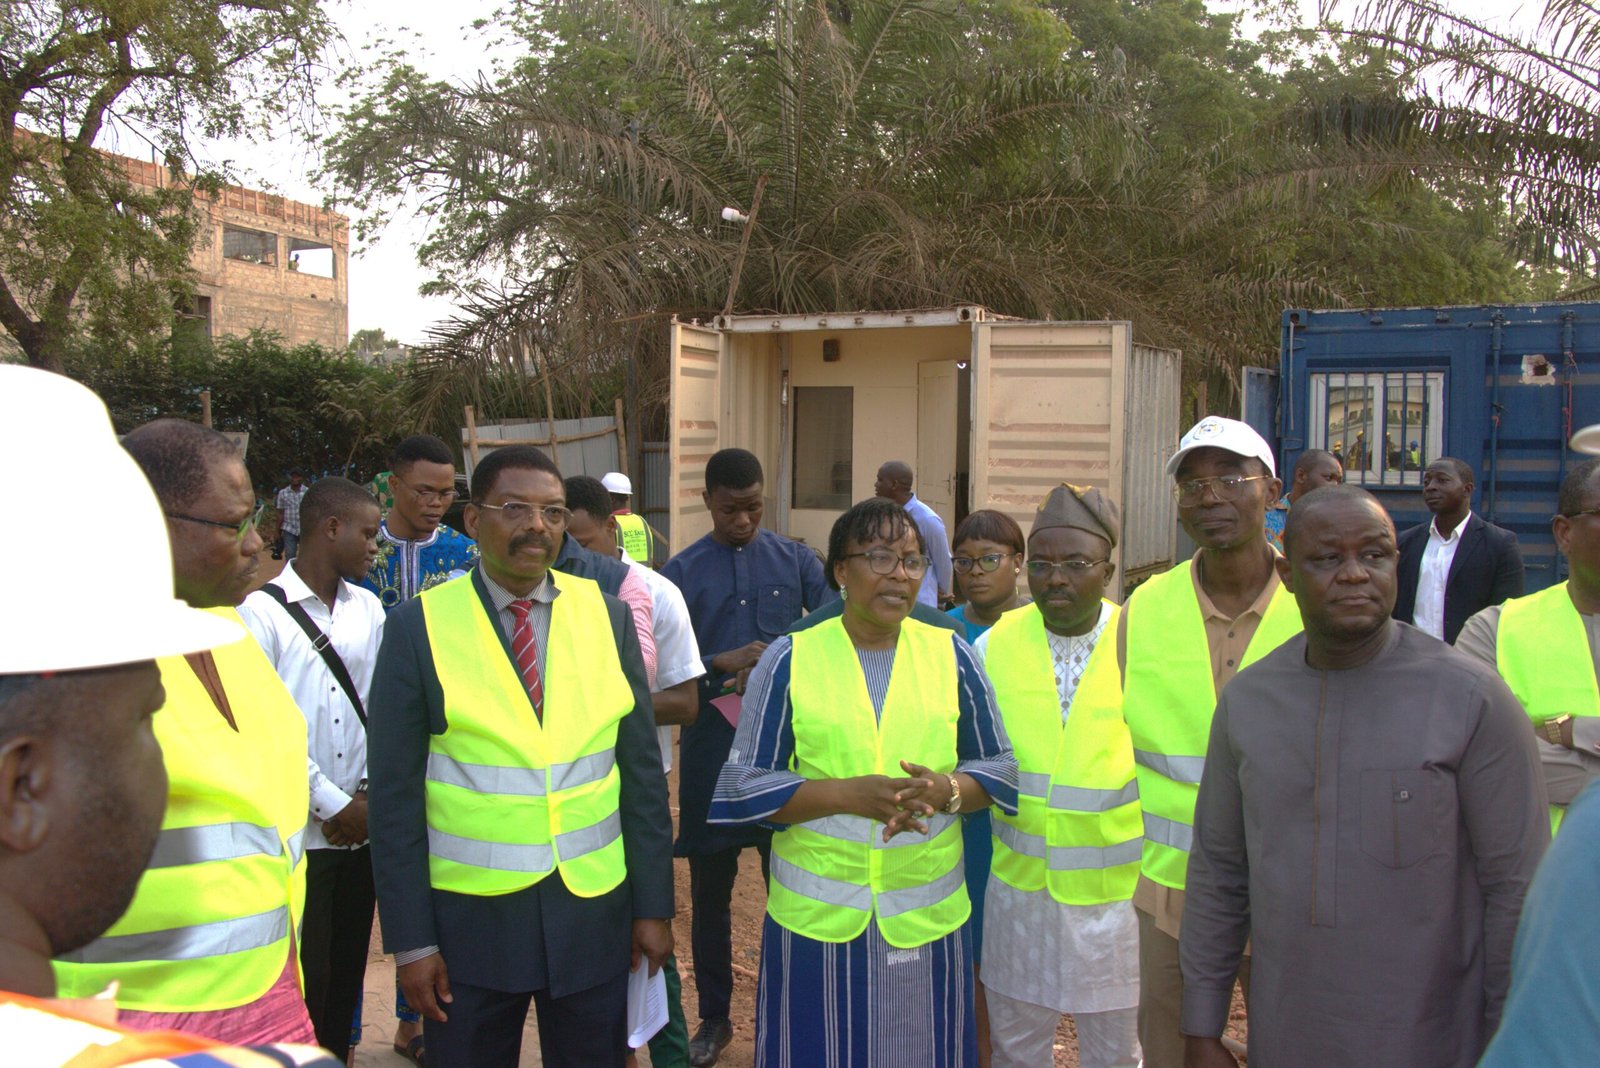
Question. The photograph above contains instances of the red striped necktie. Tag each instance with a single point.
(526, 650)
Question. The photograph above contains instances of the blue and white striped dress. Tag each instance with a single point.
(862, 1003)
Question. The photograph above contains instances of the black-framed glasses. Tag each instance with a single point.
(1226, 488)
(1072, 568)
(986, 563)
(239, 529)
(518, 513)
(883, 561)
(426, 496)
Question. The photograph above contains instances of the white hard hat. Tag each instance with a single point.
(1587, 440)
(617, 482)
(1229, 435)
(97, 590)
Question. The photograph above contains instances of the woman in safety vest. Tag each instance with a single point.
(861, 741)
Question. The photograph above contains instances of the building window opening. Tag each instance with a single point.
(1384, 427)
(823, 420)
(250, 246)
(310, 257)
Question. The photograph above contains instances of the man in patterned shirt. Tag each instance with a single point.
(415, 552)
(288, 503)
(415, 549)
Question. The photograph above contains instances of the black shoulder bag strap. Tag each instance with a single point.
(324, 647)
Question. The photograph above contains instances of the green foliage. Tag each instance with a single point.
(84, 250)
(303, 407)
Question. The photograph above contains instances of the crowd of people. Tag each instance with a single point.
(1320, 759)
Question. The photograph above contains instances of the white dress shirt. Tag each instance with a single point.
(1433, 576)
(677, 651)
(337, 741)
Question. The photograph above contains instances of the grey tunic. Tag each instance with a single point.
(1373, 831)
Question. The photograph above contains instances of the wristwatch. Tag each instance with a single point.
(952, 806)
(1552, 728)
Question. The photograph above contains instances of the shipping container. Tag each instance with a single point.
(1502, 387)
(990, 412)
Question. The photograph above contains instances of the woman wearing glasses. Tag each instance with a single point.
(861, 741)
(987, 561)
(1062, 933)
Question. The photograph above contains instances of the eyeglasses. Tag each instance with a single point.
(426, 496)
(1072, 568)
(240, 529)
(987, 562)
(1581, 514)
(883, 561)
(518, 513)
(1226, 487)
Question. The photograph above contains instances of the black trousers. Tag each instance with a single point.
(334, 938)
(711, 878)
(584, 1030)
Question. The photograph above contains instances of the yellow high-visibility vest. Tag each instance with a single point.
(1078, 828)
(1542, 651)
(211, 921)
(511, 799)
(635, 535)
(1167, 700)
(831, 876)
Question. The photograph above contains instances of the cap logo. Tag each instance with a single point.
(1208, 428)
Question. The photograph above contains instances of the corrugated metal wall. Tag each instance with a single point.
(1152, 398)
(590, 456)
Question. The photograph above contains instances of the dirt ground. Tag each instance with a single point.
(749, 905)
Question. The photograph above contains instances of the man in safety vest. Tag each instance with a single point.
(1547, 646)
(1179, 640)
(522, 843)
(639, 539)
(207, 945)
(79, 717)
(1061, 932)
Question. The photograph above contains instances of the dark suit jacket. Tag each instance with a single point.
(1487, 570)
(541, 938)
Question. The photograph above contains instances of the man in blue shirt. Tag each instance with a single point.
(744, 587)
(894, 482)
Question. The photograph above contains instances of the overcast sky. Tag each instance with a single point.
(439, 38)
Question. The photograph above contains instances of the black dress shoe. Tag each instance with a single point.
(709, 1042)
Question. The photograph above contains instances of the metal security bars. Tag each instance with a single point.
(1384, 426)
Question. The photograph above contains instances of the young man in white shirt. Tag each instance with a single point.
(316, 602)
(673, 689)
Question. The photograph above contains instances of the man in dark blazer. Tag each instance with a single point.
(1458, 564)
(471, 962)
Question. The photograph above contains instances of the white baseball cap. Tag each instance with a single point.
(1587, 440)
(1230, 435)
(617, 482)
(97, 590)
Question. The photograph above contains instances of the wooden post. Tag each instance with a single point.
(472, 435)
(550, 411)
(205, 407)
(744, 243)
(622, 441)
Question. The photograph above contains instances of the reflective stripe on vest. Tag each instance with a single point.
(1542, 651)
(832, 876)
(511, 799)
(1168, 700)
(635, 535)
(212, 919)
(1079, 804)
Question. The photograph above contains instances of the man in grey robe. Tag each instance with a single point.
(1370, 817)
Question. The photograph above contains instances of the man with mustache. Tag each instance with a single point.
(1370, 817)
(522, 843)
(207, 945)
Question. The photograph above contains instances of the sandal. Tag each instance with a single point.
(412, 1051)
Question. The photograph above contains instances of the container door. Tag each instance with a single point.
(1259, 407)
(935, 483)
(694, 421)
(1047, 408)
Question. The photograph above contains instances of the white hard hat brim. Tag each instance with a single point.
(1587, 440)
(167, 630)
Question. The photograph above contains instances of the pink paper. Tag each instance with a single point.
(728, 704)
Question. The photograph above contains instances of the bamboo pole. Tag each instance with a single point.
(472, 435)
(622, 441)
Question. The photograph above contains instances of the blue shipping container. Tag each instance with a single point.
(1500, 386)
